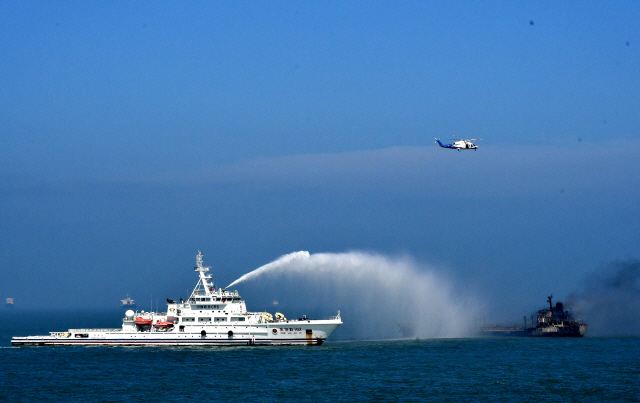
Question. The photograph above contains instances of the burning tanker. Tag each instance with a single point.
(552, 322)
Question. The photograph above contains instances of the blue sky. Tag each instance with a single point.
(134, 134)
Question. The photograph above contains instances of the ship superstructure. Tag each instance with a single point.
(556, 322)
(211, 316)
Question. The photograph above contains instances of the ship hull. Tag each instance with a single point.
(571, 330)
(577, 330)
(294, 333)
(46, 341)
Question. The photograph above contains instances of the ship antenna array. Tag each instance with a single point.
(203, 285)
(199, 266)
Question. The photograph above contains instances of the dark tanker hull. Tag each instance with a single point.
(573, 329)
(577, 330)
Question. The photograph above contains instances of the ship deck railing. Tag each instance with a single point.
(105, 330)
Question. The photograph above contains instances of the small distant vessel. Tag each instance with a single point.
(552, 322)
(407, 329)
(209, 317)
(128, 303)
(10, 302)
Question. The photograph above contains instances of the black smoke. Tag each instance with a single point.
(610, 300)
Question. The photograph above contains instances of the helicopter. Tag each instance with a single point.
(460, 144)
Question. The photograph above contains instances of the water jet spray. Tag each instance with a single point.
(380, 296)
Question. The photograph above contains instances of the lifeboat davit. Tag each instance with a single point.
(163, 324)
(143, 322)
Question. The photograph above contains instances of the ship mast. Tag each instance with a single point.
(204, 287)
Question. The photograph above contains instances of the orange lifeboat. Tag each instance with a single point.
(163, 324)
(143, 322)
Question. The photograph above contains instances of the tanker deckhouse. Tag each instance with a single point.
(210, 317)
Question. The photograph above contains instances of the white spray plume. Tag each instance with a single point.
(380, 296)
(277, 265)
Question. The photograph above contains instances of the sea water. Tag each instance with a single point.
(585, 369)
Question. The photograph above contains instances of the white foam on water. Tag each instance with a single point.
(379, 296)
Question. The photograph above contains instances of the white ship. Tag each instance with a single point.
(210, 317)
